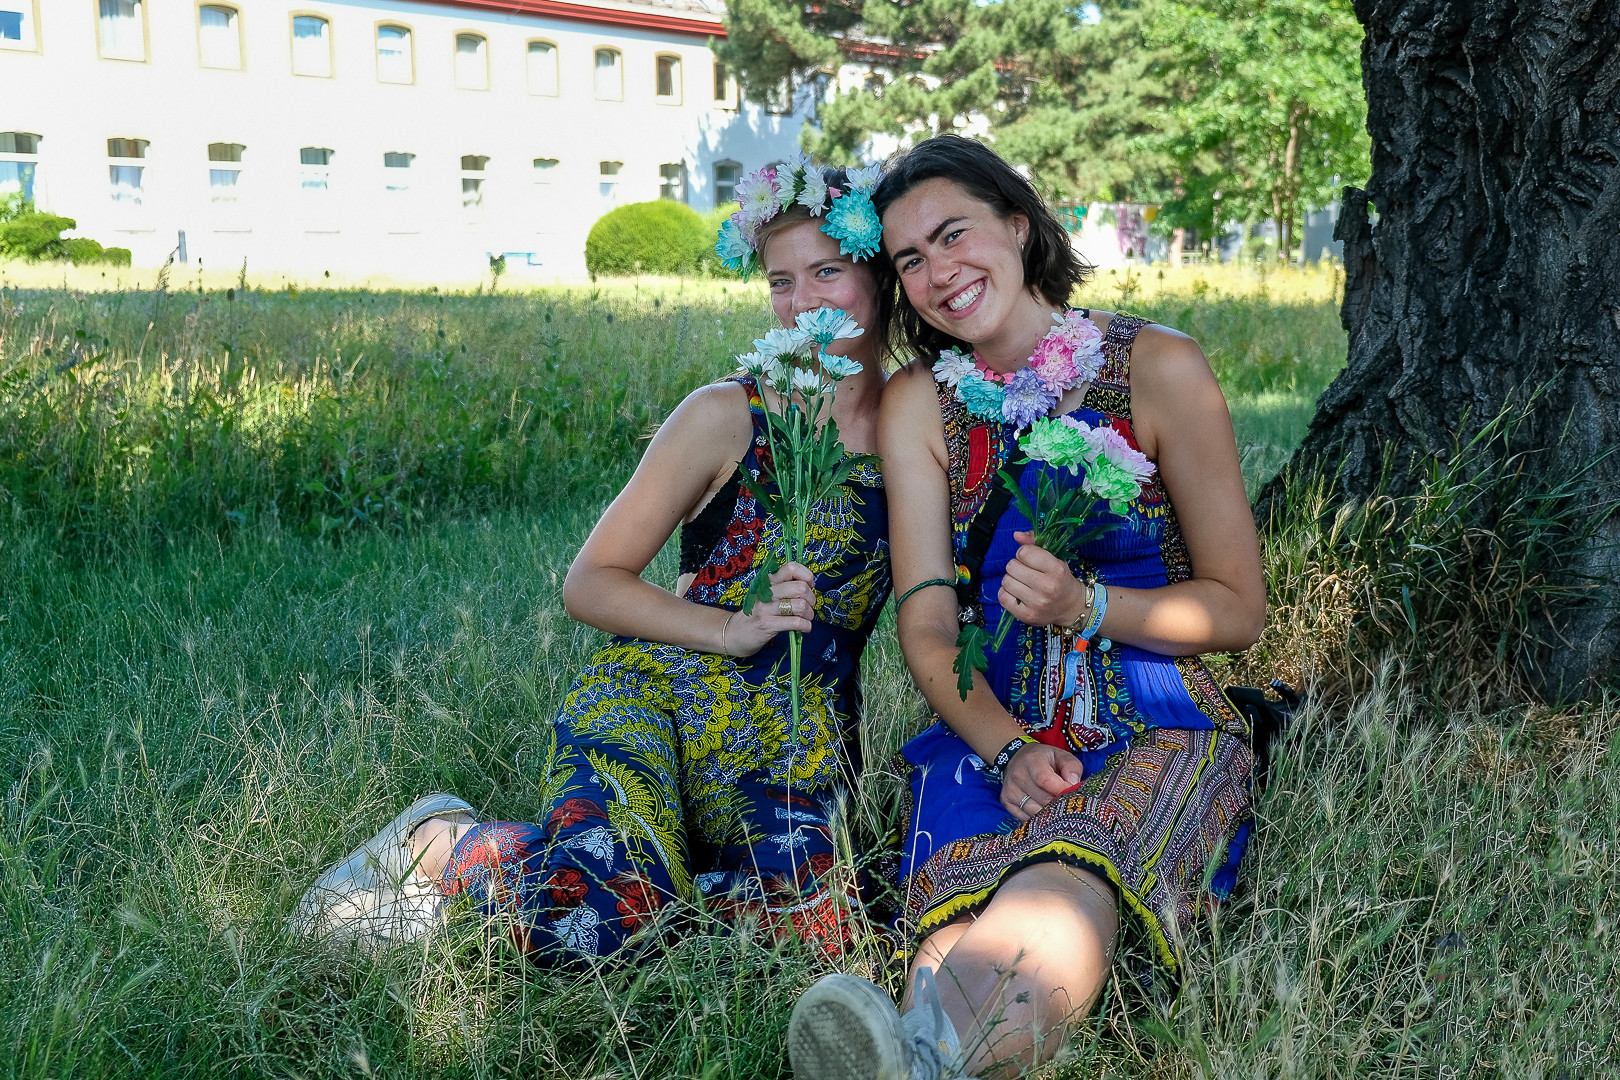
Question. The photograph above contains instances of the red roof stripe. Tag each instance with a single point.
(560, 9)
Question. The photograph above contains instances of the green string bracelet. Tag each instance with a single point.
(923, 585)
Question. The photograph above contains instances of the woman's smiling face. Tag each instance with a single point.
(961, 266)
(806, 271)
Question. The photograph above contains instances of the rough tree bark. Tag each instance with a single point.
(1494, 263)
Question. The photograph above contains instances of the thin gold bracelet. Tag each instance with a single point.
(723, 628)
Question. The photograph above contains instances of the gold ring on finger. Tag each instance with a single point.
(784, 608)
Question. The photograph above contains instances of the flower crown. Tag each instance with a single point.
(850, 217)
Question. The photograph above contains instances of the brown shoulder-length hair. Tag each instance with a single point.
(796, 214)
(1051, 266)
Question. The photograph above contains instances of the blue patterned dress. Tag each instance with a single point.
(677, 776)
(1167, 758)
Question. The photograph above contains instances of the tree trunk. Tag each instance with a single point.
(1494, 265)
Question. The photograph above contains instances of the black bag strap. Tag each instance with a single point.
(980, 533)
(1268, 720)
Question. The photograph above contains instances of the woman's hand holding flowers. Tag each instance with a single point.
(747, 633)
(1039, 589)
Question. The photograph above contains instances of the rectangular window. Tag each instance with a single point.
(312, 46)
(224, 181)
(669, 79)
(17, 24)
(394, 63)
(472, 62)
(609, 75)
(608, 180)
(722, 83)
(219, 38)
(401, 207)
(543, 68)
(127, 187)
(779, 98)
(672, 182)
(19, 164)
(315, 189)
(123, 30)
(726, 174)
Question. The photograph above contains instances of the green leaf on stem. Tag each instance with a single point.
(970, 657)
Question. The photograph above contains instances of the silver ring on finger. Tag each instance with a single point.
(784, 607)
(1021, 803)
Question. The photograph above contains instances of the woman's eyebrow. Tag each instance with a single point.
(932, 236)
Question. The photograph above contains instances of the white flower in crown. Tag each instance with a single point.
(952, 367)
(837, 368)
(787, 183)
(775, 373)
(865, 179)
(814, 195)
(756, 194)
(808, 382)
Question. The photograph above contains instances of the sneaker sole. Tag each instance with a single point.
(844, 1028)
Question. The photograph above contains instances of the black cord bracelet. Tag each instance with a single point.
(996, 771)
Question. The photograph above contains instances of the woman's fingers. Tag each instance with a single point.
(792, 571)
(1036, 775)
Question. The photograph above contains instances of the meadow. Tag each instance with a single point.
(275, 560)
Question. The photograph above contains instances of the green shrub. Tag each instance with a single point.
(659, 237)
(33, 236)
(25, 233)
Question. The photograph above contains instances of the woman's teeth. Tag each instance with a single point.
(965, 297)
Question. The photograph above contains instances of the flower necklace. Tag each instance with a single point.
(1070, 354)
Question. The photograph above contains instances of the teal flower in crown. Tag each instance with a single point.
(733, 248)
(853, 222)
(981, 397)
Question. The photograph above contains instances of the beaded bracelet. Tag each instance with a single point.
(996, 771)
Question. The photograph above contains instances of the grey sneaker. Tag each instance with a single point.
(845, 1028)
(374, 896)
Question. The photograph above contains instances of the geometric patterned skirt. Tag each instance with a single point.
(1151, 817)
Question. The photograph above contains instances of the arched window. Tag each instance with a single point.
(219, 37)
(224, 172)
(668, 76)
(609, 75)
(608, 180)
(19, 163)
(543, 68)
(128, 181)
(672, 182)
(17, 24)
(122, 29)
(395, 64)
(472, 185)
(726, 174)
(725, 88)
(472, 62)
(312, 46)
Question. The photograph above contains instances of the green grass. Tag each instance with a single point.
(191, 728)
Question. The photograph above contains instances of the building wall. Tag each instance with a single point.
(65, 92)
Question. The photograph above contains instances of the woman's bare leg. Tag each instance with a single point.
(433, 841)
(1032, 963)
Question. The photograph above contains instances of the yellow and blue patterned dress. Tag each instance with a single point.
(1165, 800)
(678, 773)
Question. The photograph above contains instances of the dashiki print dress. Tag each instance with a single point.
(1167, 758)
(677, 775)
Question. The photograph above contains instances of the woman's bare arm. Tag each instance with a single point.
(696, 449)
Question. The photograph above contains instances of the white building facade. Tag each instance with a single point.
(371, 136)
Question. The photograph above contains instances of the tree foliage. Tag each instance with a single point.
(1272, 108)
(1165, 101)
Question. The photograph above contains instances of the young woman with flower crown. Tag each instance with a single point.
(1080, 794)
(676, 776)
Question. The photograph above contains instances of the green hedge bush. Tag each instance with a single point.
(26, 233)
(659, 237)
